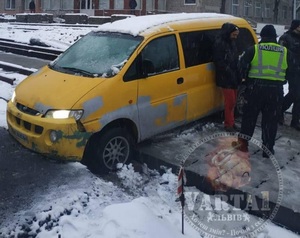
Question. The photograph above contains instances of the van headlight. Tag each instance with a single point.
(64, 114)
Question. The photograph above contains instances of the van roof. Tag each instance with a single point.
(138, 25)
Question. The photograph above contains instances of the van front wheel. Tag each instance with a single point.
(115, 146)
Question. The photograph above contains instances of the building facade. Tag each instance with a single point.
(253, 10)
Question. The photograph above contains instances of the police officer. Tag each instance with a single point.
(263, 68)
(291, 40)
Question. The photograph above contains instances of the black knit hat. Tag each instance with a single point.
(229, 27)
(294, 24)
(268, 31)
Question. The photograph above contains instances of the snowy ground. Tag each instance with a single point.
(130, 205)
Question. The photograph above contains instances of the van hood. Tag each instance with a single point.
(49, 89)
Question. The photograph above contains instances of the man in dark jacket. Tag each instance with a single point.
(32, 6)
(132, 5)
(225, 58)
(291, 40)
(263, 68)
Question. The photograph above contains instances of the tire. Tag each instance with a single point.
(114, 146)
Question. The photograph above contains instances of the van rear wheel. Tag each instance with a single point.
(115, 146)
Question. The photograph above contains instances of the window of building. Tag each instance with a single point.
(104, 4)
(284, 12)
(268, 10)
(119, 5)
(27, 4)
(56, 5)
(45, 5)
(248, 8)
(86, 4)
(162, 5)
(10, 4)
(257, 8)
(149, 5)
(67, 5)
(235, 7)
(138, 4)
(189, 2)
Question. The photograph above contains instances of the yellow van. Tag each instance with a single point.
(121, 84)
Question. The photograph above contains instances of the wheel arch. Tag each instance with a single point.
(119, 123)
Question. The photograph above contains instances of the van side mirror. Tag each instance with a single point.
(147, 68)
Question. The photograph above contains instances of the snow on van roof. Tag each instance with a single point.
(136, 25)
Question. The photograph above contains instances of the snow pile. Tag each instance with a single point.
(97, 208)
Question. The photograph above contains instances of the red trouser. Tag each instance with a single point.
(230, 96)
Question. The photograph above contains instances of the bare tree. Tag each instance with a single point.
(222, 9)
(276, 6)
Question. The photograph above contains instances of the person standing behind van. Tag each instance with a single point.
(32, 6)
(132, 5)
(263, 68)
(291, 40)
(225, 58)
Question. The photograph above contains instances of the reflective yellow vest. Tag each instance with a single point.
(269, 62)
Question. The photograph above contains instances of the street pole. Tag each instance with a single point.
(295, 9)
(180, 193)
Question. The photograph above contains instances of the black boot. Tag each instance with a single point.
(295, 125)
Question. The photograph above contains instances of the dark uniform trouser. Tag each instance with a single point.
(267, 100)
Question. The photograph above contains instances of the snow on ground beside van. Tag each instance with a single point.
(133, 205)
(54, 36)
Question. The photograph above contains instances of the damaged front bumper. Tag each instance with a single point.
(55, 138)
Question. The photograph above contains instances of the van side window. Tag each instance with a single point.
(163, 53)
(197, 46)
(159, 56)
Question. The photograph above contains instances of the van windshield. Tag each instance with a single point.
(98, 54)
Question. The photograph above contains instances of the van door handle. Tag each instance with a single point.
(180, 80)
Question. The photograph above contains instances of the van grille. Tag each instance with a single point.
(28, 126)
(25, 124)
(27, 110)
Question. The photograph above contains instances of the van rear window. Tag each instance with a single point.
(197, 45)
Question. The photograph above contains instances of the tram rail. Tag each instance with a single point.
(28, 50)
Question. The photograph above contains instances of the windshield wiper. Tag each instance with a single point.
(81, 71)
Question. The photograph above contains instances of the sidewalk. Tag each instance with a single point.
(266, 174)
